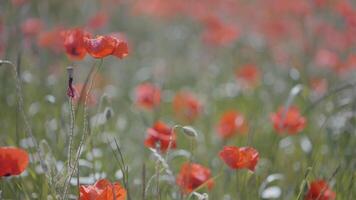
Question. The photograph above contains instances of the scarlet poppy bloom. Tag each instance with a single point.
(186, 106)
(147, 95)
(240, 157)
(193, 175)
(78, 91)
(160, 135)
(231, 123)
(320, 190)
(31, 26)
(74, 43)
(289, 121)
(101, 46)
(13, 161)
(102, 190)
(249, 75)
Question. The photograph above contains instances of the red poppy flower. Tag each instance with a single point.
(162, 135)
(289, 121)
(31, 26)
(78, 91)
(240, 157)
(74, 43)
(319, 190)
(249, 75)
(186, 106)
(147, 95)
(102, 190)
(231, 123)
(101, 46)
(193, 175)
(13, 161)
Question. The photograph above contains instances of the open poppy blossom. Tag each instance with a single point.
(248, 75)
(240, 157)
(147, 95)
(160, 135)
(74, 43)
(186, 106)
(289, 121)
(102, 46)
(230, 124)
(13, 161)
(320, 190)
(102, 190)
(193, 175)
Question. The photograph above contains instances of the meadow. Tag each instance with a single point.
(178, 99)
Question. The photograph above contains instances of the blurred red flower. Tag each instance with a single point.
(74, 43)
(147, 95)
(319, 85)
(13, 161)
(319, 190)
(240, 157)
(232, 123)
(289, 120)
(248, 75)
(102, 190)
(160, 135)
(98, 21)
(186, 106)
(326, 58)
(218, 33)
(52, 39)
(31, 26)
(193, 175)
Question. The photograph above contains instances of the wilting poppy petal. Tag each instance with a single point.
(102, 190)
(289, 121)
(193, 175)
(160, 135)
(320, 190)
(240, 157)
(13, 161)
(147, 95)
(231, 123)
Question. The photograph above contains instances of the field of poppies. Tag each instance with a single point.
(181, 100)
